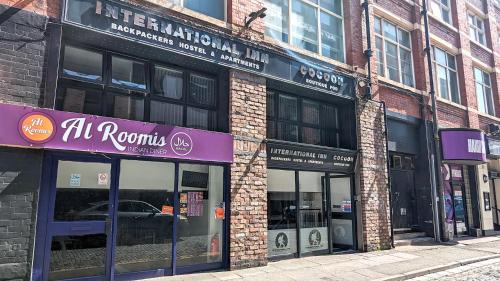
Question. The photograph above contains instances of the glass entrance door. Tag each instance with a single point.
(79, 223)
(342, 214)
(145, 216)
(200, 217)
(459, 208)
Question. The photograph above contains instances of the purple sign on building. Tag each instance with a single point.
(49, 129)
(463, 146)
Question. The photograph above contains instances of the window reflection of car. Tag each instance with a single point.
(138, 222)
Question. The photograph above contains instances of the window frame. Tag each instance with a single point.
(477, 31)
(107, 88)
(335, 131)
(399, 46)
(319, 10)
(484, 87)
(442, 6)
(448, 69)
(180, 3)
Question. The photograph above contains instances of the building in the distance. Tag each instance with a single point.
(149, 138)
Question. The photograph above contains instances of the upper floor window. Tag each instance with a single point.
(295, 119)
(393, 52)
(103, 83)
(476, 29)
(483, 92)
(441, 9)
(313, 25)
(445, 74)
(212, 8)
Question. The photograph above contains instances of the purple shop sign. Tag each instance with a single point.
(49, 129)
(463, 146)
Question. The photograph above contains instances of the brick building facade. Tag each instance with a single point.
(272, 89)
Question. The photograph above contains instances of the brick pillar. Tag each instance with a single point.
(372, 177)
(248, 230)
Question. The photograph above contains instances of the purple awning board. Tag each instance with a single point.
(463, 146)
(24, 126)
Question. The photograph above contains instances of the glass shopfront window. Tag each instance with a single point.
(136, 90)
(131, 213)
(282, 213)
(320, 219)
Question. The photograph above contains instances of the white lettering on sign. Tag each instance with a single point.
(75, 127)
(475, 146)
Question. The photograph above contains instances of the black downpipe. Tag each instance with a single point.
(368, 95)
(368, 52)
(437, 147)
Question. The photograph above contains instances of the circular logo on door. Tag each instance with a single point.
(314, 237)
(37, 127)
(181, 144)
(281, 240)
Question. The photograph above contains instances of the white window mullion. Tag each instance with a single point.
(318, 24)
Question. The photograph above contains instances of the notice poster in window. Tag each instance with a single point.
(195, 204)
(167, 210)
(75, 180)
(183, 205)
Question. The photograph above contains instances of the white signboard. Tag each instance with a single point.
(313, 239)
(281, 242)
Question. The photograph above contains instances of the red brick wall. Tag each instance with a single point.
(248, 230)
(49, 8)
(451, 116)
(399, 102)
(481, 54)
(443, 32)
(372, 177)
(398, 7)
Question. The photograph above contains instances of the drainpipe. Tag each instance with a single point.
(368, 95)
(368, 52)
(437, 188)
(430, 161)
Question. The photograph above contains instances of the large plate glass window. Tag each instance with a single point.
(476, 29)
(445, 69)
(316, 26)
(393, 52)
(483, 92)
(176, 97)
(282, 213)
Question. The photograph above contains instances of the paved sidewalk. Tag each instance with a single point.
(401, 263)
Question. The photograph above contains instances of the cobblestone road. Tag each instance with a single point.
(482, 271)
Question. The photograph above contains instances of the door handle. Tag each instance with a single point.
(108, 224)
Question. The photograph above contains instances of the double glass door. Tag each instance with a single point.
(309, 213)
(117, 217)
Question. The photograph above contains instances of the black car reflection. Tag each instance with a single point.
(138, 222)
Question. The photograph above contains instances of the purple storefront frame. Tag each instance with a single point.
(82, 132)
(463, 146)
